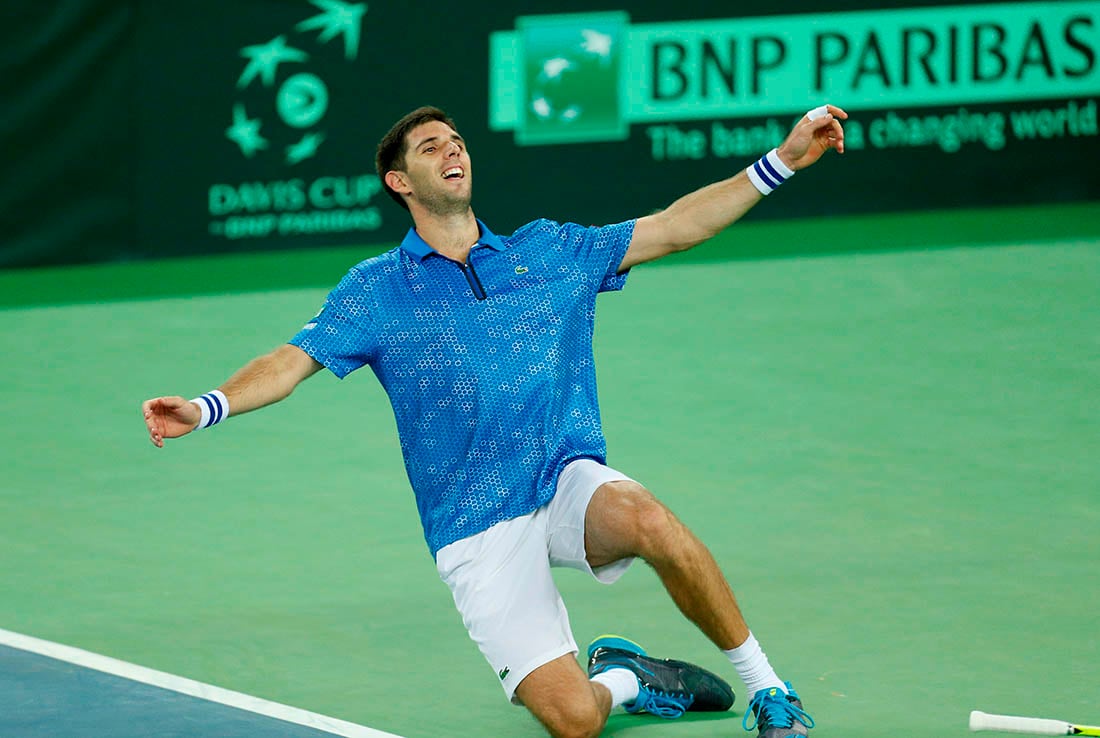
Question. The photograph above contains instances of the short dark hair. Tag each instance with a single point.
(392, 147)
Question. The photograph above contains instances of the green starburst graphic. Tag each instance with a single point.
(305, 148)
(338, 18)
(264, 60)
(245, 132)
(302, 99)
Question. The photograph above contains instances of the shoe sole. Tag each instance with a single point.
(609, 640)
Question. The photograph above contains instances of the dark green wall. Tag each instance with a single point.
(118, 114)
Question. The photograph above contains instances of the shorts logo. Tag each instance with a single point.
(503, 673)
(521, 270)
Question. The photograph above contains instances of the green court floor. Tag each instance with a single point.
(894, 455)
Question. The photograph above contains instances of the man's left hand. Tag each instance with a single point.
(812, 137)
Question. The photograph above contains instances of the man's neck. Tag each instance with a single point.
(451, 235)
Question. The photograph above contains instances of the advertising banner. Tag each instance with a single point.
(991, 103)
(252, 119)
(588, 76)
(597, 117)
(252, 125)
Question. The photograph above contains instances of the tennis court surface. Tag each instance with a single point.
(893, 454)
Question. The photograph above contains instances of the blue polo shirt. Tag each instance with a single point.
(488, 365)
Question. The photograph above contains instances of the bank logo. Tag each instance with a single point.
(301, 101)
(590, 76)
(564, 82)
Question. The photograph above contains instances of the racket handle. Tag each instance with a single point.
(1010, 724)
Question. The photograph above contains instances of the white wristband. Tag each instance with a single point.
(769, 172)
(214, 407)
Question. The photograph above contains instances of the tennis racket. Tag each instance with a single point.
(1034, 726)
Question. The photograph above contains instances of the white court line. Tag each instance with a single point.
(189, 687)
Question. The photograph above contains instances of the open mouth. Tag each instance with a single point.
(454, 173)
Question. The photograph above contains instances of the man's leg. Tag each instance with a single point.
(563, 699)
(624, 519)
(503, 588)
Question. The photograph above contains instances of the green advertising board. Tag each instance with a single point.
(588, 77)
(252, 125)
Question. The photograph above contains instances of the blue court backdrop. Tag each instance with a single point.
(146, 129)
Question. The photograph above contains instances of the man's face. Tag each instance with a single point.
(437, 169)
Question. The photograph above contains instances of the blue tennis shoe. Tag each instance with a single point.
(666, 688)
(777, 715)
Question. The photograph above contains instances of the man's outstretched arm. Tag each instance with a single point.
(262, 381)
(704, 213)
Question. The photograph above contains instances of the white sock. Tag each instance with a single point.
(753, 667)
(621, 683)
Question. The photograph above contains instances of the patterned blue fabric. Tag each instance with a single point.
(488, 365)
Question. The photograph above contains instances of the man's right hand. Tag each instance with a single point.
(260, 382)
(169, 417)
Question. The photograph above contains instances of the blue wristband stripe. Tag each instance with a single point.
(220, 411)
(765, 175)
(779, 178)
(212, 407)
(768, 172)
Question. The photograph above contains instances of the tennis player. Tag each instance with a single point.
(484, 345)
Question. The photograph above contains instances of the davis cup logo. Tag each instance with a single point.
(289, 124)
(287, 103)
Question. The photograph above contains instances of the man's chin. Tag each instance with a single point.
(448, 205)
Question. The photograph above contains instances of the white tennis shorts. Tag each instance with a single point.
(501, 581)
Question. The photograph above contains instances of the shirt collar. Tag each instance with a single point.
(419, 248)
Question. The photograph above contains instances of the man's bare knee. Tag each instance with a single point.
(652, 526)
(561, 697)
(658, 529)
(625, 519)
(570, 720)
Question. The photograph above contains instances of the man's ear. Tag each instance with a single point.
(396, 181)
